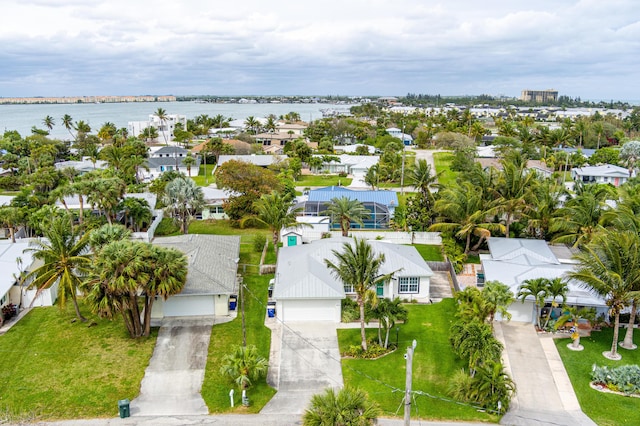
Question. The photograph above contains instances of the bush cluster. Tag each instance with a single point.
(625, 379)
(374, 350)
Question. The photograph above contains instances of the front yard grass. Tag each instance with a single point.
(201, 177)
(605, 409)
(430, 252)
(322, 180)
(442, 162)
(54, 369)
(215, 389)
(433, 366)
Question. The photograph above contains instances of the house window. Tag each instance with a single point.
(409, 284)
(348, 289)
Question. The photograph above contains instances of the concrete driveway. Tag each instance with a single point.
(544, 395)
(308, 362)
(173, 380)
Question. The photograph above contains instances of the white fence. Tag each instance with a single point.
(148, 236)
(432, 238)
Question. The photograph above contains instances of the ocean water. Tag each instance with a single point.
(23, 117)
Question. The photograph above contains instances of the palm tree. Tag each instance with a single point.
(514, 185)
(346, 210)
(388, 312)
(162, 116)
(578, 221)
(474, 341)
(536, 288)
(100, 237)
(556, 288)
(346, 407)
(465, 213)
(251, 124)
(49, 122)
(188, 161)
(492, 387)
(422, 178)
(67, 122)
(183, 199)
(357, 266)
(244, 366)
(277, 212)
(66, 261)
(610, 267)
(11, 217)
(498, 296)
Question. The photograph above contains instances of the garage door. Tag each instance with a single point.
(310, 310)
(523, 312)
(185, 306)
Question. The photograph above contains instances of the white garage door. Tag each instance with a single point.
(523, 312)
(310, 310)
(185, 306)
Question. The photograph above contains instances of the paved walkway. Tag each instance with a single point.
(544, 395)
(440, 286)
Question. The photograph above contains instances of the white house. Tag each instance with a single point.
(606, 173)
(406, 139)
(257, 160)
(169, 158)
(305, 289)
(211, 279)
(317, 227)
(513, 261)
(214, 198)
(14, 261)
(165, 127)
(350, 164)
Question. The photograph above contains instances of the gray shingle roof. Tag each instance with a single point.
(212, 262)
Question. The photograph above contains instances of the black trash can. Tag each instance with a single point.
(123, 408)
(233, 302)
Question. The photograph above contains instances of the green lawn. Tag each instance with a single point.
(215, 389)
(430, 252)
(433, 366)
(53, 369)
(322, 180)
(200, 179)
(605, 409)
(442, 161)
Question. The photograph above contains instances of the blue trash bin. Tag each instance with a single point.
(233, 303)
(271, 310)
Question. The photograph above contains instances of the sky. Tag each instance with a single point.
(587, 48)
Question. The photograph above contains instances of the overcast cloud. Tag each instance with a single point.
(583, 48)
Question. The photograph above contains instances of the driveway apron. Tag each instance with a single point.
(309, 362)
(173, 379)
(544, 395)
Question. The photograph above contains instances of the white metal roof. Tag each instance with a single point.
(9, 268)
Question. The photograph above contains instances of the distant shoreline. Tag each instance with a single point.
(84, 100)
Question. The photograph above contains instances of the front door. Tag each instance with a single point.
(291, 240)
(380, 289)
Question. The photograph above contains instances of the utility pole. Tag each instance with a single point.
(407, 391)
(402, 170)
(244, 327)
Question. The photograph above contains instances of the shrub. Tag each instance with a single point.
(259, 240)
(9, 311)
(625, 378)
(374, 350)
(350, 310)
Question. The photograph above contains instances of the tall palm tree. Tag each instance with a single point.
(474, 341)
(578, 221)
(162, 116)
(66, 261)
(252, 124)
(346, 407)
(67, 122)
(49, 122)
(462, 210)
(183, 199)
(277, 212)
(358, 266)
(610, 267)
(514, 186)
(423, 178)
(244, 366)
(346, 210)
(11, 217)
(538, 289)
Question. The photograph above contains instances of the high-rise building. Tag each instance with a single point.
(540, 96)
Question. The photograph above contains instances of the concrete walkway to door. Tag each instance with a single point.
(544, 395)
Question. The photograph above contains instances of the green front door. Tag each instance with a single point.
(380, 289)
(291, 240)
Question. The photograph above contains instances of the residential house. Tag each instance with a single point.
(406, 138)
(606, 173)
(169, 158)
(532, 165)
(294, 129)
(317, 227)
(83, 166)
(349, 164)
(305, 289)
(257, 160)
(165, 127)
(211, 278)
(279, 138)
(214, 199)
(14, 262)
(513, 261)
(381, 205)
